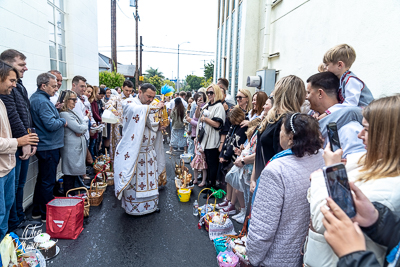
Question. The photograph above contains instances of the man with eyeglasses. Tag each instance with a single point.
(50, 129)
(17, 105)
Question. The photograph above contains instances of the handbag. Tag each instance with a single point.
(201, 133)
(64, 217)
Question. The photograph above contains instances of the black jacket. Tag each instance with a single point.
(18, 106)
(386, 232)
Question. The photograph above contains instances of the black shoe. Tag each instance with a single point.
(30, 224)
(157, 210)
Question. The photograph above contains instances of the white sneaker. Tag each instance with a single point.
(240, 216)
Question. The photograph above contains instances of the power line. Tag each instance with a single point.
(165, 48)
(123, 11)
(164, 52)
(177, 49)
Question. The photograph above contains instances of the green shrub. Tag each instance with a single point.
(111, 79)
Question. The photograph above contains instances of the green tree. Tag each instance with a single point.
(205, 83)
(157, 82)
(209, 71)
(194, 81)
(111, 79)
(153, 72)
(169, 83)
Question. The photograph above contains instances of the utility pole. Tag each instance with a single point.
(178, 85)
(137, 47)
(141, 50)
(113, 35)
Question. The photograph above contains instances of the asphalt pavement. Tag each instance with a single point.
(169, 238)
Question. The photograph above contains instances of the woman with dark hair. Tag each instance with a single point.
(234, 139)
(258, 102)
(280, 214)
(178, 127)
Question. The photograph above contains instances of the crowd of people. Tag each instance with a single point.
(270, 151)
(52, 126)
(267, 152)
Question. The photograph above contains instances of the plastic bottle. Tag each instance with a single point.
(195, 208)
(61, 183)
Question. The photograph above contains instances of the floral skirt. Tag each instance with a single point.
(199, 162)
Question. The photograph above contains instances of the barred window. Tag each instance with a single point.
(57, 46)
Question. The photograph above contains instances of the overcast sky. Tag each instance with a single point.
(163, 23)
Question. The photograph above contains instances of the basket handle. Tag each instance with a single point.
(94, 179)
(198, 198)
(215, 203)
(78, 188)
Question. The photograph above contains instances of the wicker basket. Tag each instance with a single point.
(243, 232)
(85, 200)
(98, 197)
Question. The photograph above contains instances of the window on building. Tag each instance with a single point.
(227, 9)
(223, 11)
(239, 25)
(231, 52)
(57, 47)
(219, 10)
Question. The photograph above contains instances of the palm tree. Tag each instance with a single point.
(153, 72)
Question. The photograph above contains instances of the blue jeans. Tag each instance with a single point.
(92, 144)
(46, 179)
(7, 194)
(17, 211)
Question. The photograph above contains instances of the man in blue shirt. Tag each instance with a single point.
(50, 129)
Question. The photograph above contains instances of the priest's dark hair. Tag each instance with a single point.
(146, 86)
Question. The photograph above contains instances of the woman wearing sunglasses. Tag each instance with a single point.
(212, 119)
(243, 99)
(73, 153)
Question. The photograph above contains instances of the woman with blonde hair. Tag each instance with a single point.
(244, 100)
(375, 172)
(212, 119)
(289, 95)
(73, 153)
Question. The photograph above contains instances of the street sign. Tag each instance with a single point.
(173, 81)
(141, 78)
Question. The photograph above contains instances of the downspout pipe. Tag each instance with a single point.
(267, 34)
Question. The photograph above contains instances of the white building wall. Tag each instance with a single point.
(25, 28)
(303, 30)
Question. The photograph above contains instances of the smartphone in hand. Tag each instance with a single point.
(31, 130)
(333, 136)
(338, 187)
(61, 97)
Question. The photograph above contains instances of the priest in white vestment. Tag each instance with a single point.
(139, 158)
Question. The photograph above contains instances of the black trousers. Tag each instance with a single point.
(48, 162)
(212, 159)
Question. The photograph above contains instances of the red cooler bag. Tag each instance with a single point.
(64, 217)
